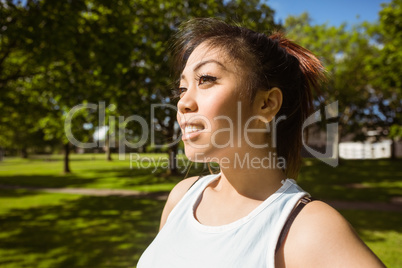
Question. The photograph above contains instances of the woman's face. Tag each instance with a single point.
(211, 112)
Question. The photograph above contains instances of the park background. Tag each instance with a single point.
(63, 205)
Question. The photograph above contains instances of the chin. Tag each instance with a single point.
(198, 157)
(205, 155)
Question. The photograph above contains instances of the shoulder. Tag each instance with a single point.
(180, 190)
(175, 196)
(321, 237)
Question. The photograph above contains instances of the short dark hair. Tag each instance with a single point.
(270, 61)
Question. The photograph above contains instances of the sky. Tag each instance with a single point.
(333, 12)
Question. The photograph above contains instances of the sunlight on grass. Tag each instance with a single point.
(76, 231)
(22, 199)
(40, 229)
(88, 171)
(354, 180)
(381, 231)
(388, 246)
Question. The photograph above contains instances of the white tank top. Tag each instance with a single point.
(183, 242)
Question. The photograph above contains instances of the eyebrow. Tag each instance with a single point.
(199, 65)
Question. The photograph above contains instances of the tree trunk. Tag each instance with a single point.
(66, 158)
(173, 168)
(109, 154)
(393, 149)
(107, 149)
(341, 161)
(24, 153)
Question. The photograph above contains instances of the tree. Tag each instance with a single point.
(47, 54)
(145, 79)
(19, 109)
(82, 51)
(386, 65)
(348, 55)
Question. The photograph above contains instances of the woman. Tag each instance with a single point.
(243, 99)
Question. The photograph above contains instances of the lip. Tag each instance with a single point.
(192, 135)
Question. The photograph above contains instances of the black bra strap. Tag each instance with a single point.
(304, 201)
(199, 177)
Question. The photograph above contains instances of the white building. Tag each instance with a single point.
(365, 150)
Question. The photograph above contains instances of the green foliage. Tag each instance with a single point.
(395, 131)
(352, 57)
(92, 51)
(388, 34)
(56, 54)
(387, 63)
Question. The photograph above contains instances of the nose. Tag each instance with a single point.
(188, 103)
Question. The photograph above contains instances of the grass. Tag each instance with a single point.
(40, 229)
(92, 171)
(381, 231)
(354, 180)
(76, 231)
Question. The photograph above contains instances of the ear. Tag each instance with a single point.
(268, 103)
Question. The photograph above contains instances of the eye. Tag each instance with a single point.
(203, 79)
(180, 91)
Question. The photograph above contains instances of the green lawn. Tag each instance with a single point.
(353, 180)
(51, 230)
(61, 230)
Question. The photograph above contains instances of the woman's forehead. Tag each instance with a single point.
(205, 54)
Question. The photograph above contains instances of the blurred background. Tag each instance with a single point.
(88, 142)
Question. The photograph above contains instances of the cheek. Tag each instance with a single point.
(219, 111)
(224, 118)
(221, 104)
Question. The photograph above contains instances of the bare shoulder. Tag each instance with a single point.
(321, 237)
(180, 189)
(175, 196)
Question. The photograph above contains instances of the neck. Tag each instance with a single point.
(255, 175)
